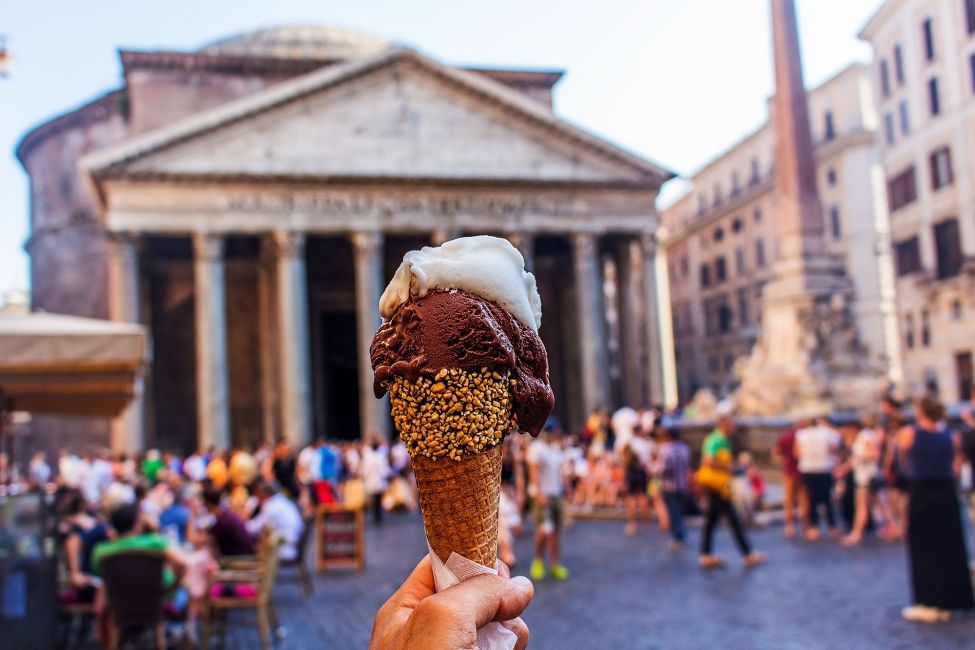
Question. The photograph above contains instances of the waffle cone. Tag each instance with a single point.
(459, 502)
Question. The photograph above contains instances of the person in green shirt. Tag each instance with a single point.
(130, 535)
(152, 465)
(714, 477)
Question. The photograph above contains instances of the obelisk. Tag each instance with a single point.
(808, 356)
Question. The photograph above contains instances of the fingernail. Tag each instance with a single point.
(521, 582)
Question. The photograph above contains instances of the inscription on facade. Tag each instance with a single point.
(346, 205)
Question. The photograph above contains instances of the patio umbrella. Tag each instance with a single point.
(67, 365)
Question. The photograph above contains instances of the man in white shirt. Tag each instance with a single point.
(280, 514)
(624, 422)
(816, 447)
(545, 458)
(310, 463)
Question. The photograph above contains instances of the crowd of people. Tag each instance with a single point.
(889, 473)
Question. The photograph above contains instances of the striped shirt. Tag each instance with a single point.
(675, 467)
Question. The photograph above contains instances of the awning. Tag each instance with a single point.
(66, 365)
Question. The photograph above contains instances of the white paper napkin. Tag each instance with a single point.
(458, 568)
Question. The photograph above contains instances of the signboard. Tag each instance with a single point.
(341, 541)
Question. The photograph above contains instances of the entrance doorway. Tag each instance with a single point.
(339, 375)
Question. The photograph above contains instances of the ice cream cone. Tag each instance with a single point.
(453, 425)
(459, 502)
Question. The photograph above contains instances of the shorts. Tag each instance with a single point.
(551, 512)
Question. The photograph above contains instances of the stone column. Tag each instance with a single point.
(590, 312)
(660, 332)
(525, 243)
(128, 429)
(368, 247)
(212, 385)
(627, 270)
(294, 351)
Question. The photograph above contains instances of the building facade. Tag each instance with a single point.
(923, 74)
(249, 201)
(722, 240)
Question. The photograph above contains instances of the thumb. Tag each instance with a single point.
(489, 598)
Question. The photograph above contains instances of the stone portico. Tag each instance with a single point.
(254, 239)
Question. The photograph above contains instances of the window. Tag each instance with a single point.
(736, 225)
(702, 204)
(927, 32)
(760, 253)
(905, 121)
(909, 333)
(965, 371)
(940, 164)
(720, 270)
(718, 199)
(907, 256)
(885, 77)
(899, 65)
(834, 220)
(718, 233)
(705, 276)
(901, 189)
(743, 306)
(735, 186)
(829, 132)
(889, 127)
(970, 16)
(758, 215)
(934, 97)
(725, 318)
(685, 266)
(956, 309)
(740, 260)
(729, 362)
(831, 177)
(947, 243)
(756, 175)
(925, 329)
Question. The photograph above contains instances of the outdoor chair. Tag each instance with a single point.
(300, 564)
(134, 587)
(245, 588)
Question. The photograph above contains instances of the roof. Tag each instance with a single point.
(299, 42)
(114, 158)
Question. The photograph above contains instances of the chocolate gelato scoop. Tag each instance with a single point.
(453, 328)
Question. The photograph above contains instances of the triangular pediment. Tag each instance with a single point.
(398, 115)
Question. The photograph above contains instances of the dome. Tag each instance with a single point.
(298, 42)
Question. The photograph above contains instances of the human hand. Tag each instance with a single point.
(415, 617)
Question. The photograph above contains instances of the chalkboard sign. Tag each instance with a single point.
(341, 541)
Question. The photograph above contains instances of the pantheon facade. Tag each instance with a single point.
(248, 202)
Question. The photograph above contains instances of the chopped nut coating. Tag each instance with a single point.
(455, 413)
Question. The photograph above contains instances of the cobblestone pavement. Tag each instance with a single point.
(631, 592)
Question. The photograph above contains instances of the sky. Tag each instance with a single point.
(676, 81)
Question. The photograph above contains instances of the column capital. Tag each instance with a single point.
(444, 234)
(584, 244)
(288, 243)
(122, 242)
(366, 241)
(650, 241)
(207, 247)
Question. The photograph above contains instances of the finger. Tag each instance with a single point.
(418, 585)
(520, 628)
(486, 598)
(503, 570)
